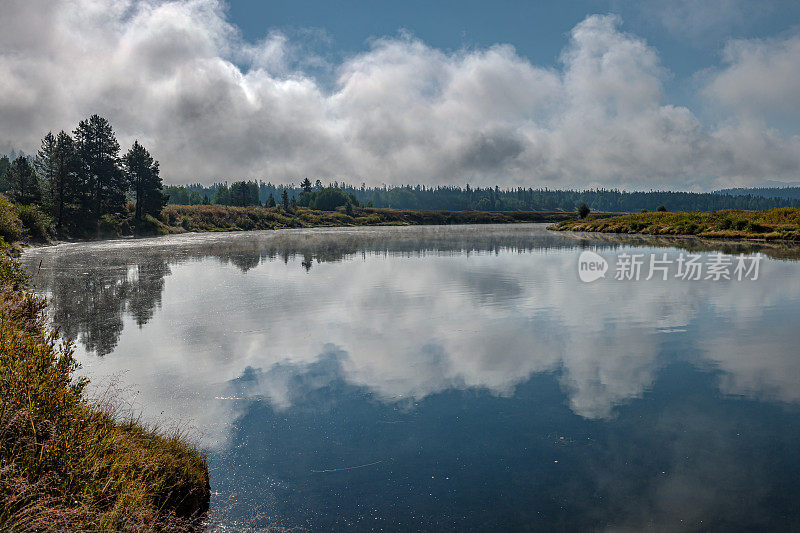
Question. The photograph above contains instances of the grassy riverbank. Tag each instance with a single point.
(781, 224)
(30, 224)
(71, 464)
(226, 218)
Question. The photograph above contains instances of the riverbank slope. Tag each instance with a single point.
(31, 224)
(177, 218)
(68, 463)
(779, 224)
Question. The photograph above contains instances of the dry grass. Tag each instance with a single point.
(775, 224)
(68, 464)
(226, 218)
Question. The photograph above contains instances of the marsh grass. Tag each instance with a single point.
(71, 464)
(775, 224)
(227, 218)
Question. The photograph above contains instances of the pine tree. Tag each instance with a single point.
(62, 188)
(102, 183)
(5, 164)
(222, 196)
(285, 199)
(271, 201)
(306, 185)
(46, 164)
(23, 181)
(144, 181)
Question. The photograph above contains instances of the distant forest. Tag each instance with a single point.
(83, 183)
(767, 192)
(478, 198)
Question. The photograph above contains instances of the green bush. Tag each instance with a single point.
(11, 227)
(38, 225)
(327, 199)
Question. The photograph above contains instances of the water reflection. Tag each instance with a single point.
(449, 378)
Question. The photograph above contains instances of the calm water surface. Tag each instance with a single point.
(447, 378)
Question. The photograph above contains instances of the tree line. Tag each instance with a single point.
(456, 198)
(82, 180)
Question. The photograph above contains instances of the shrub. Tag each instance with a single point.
(755, 227)
(245, 223)
(327, 199)
(38, 225)
(67, 464)
(11, 227)
(109, 226)
(583, 210)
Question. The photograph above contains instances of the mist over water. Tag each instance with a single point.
(447, 378)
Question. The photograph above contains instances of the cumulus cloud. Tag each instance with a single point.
(760, 77)
(179, 77)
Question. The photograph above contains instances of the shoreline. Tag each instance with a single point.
(779, 225)
(176, 220)
(71, 460)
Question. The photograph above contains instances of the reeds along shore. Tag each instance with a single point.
(71, 464)
(779, 224)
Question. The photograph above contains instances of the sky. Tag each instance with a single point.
(652, 94)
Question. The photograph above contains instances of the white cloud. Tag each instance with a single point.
(760, 77)
(179, 77)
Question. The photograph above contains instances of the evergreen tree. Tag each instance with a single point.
(306, 185)
(222, 196)
(62, 188)
(252, 188)
(23, 181)
(271, 201)
(5, 163)
(144, 181)
(46, 164)
(239, 194)
(285, 199)
(101, 182)
(195, 198)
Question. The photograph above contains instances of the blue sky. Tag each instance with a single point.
(654, 94)
(689, 35)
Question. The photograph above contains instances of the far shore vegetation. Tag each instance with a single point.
(778, 224)
(83, 185)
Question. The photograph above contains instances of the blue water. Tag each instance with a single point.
(448, 378)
